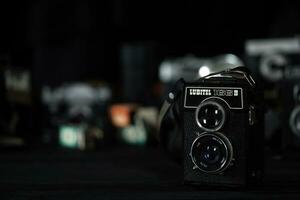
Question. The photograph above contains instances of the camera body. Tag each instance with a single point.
(276, 65)
(222, 130)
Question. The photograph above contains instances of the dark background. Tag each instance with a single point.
(66, 41)
(82, 39)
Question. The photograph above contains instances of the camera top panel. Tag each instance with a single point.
(231, 96)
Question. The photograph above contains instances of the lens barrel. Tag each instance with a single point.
(211, 152)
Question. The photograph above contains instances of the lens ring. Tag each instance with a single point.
(219, 107)
(296, 92)
(221, 139)
(293, 117)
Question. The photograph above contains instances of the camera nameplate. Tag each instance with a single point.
(232, 96)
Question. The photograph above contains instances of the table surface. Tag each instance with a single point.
(125, 173)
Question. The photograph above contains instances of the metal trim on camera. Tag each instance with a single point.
(221, 156)
(218, 124)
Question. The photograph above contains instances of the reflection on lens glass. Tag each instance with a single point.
(210, 116)
(210, 153)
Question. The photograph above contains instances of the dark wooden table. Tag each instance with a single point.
(125, 173)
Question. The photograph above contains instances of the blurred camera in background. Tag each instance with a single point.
(276, 66)
(191, 68)
(19, 122)
(135, 124)
(76, 115)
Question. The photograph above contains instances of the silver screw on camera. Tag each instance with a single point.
(171, 96)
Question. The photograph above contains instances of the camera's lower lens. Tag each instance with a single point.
(210, 116)
(211, 152)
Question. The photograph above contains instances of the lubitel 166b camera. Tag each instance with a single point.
(221, 123)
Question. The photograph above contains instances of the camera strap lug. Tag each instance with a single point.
(251, 115)
(171, 99)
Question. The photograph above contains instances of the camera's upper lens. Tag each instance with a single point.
(211, 153)
(210, 116)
